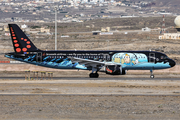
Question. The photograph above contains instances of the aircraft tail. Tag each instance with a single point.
(20, 41)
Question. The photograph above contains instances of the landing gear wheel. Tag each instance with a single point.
(93, 75)
(97, 75)
(152, 76)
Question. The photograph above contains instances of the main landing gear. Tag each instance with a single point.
(94, 75)
(151, 76)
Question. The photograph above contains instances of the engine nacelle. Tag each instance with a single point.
(114, 70)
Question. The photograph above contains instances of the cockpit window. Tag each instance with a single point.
(164, 57)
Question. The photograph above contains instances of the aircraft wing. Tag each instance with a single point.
(88, 63)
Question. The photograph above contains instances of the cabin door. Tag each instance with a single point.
(152, 57)
(39, 57)
(107, 57)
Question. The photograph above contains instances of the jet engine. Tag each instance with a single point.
(114, 70)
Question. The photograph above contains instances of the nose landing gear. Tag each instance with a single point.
(151, 76)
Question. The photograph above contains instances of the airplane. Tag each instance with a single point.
(110, 62)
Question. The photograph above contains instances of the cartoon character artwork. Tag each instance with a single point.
(136, 61)
(129, 59)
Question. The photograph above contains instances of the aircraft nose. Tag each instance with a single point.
(172, 63)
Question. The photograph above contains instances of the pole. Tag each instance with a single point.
(55, 28)
(163, 25)
(107, 44)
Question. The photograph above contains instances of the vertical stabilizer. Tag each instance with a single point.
(20, 41)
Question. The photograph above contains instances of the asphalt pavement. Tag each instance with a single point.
(100, 78)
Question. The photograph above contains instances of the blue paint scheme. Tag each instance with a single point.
(137, 61)
(116, 61)
(58, 59)
(142, 64)
(53, 60)
(33, 58)
(51, 64)
(46, 58)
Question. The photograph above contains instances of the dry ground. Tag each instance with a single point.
(129, 99)
(90, 107)
(96, 87)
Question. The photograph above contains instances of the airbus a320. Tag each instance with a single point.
(110, 62)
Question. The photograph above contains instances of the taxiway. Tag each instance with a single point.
(145, 77)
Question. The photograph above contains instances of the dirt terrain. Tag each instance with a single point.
(90, 107)
(79, 99)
